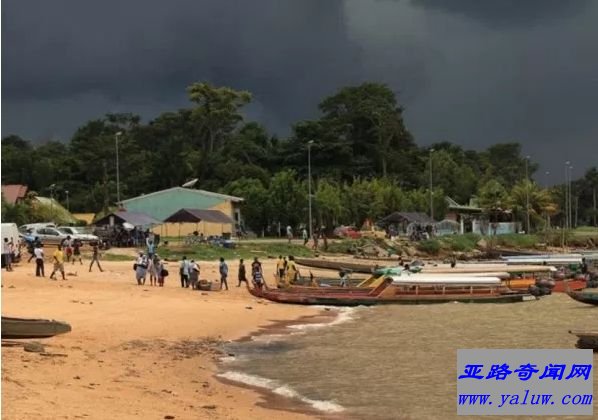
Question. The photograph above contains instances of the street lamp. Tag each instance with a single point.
(68, 207)
(567, 194)
(116, 136)
(527, 196)
(309, 144)
(571, 196)
(52, 187)
(431, 195)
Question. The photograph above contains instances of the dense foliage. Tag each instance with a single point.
(365, 163)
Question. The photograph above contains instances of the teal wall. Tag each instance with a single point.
(163, 204)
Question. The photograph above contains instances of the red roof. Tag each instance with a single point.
(14, 192)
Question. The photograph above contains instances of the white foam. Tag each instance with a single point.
(343, 315)
(282, 390)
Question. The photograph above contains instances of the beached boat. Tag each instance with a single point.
(586, 339)
(589, 296)
(389, 293)
(32, 328)
(337, 265)
(560, 286)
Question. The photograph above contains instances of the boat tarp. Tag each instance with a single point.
(440, 279)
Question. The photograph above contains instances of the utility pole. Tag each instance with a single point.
(595, 224)
(527, 224)
(116, 136)
(431, 188)
(309, 144)
(68, 207)
(106, 197)
(570, 197)
(566, 194)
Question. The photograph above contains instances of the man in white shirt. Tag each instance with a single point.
(38, 252)
(184, 272)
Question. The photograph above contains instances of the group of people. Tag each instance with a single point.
(286, 270)
(152, 264)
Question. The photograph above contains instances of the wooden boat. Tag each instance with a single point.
(586, 339)
(560, 286)
(388, 293)
(32, 328)
(337, 265)
(589, 296)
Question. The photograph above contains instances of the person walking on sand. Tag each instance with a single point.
(67, 245)
(280, 268)
(304, 236)
(184, 272)
(141, 268)
(162, 272)
(223, 273)
(58, 263)
(289, 233)
(193, 274)
(77, 251)
(95, 257)
(6, 254)
(242, 275)
(39, 260)
(292, 271)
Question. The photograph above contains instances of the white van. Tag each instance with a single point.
(10, 231)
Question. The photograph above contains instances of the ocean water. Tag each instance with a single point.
(398, 362)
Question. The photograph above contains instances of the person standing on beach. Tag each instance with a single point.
(242, 275)
(151, 249)
(292, 272)
(6, 254)
(141, 268)
(39, 260)
(184, 272)
(305, 237)
(58, 263)
(95, 257)
(289, 233)
(223, 273)
(256, 269)
(193, 274)
(67, 245)
(77, 251)
(280, 268)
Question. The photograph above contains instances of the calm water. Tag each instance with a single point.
(399, 362)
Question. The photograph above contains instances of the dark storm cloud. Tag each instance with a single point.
(472, 72)
(499, 13)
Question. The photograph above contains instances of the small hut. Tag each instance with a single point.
(198, 216)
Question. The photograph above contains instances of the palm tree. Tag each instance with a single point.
(541, 202)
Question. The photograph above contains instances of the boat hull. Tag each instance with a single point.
(337, 265)
(583, 296)
(32, 328)
(560, 286)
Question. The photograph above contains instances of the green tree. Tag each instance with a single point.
(493, 199)
(255, 208)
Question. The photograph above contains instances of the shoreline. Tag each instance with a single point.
(292, 402)
(134, 350)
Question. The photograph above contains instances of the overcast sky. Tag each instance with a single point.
(467, 71)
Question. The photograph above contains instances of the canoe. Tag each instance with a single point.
(32, 328)
(560, 286)
(388, 293)
(586, 339)
(337, 265)
(589, 296)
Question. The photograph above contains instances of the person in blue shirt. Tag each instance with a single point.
(223, 273)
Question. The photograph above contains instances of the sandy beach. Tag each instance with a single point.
(134, 351)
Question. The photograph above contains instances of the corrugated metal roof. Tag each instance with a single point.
(162, 204)
(13, 192)
(134, 218)
(200, 192)
(198, 215)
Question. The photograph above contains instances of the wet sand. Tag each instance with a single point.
(134, 351)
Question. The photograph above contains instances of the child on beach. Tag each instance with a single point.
(58, 263)
(242, 276)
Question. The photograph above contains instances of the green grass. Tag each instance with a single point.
(429, 246)
(460, 243)
(515, 240)
(117, 257)
(244, 250)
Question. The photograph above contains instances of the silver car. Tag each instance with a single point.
(48, 235)
(78, 233)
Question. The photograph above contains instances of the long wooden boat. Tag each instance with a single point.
(337, 265)
(560, 286)
(586, 339)
(32, 328)
(388, 293)
(589, 296)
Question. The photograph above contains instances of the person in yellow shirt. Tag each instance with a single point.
(280, 268)
(58, 263)
(292, 271)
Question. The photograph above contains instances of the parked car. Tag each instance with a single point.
(48, 235)
(347, 232)
(78, 233)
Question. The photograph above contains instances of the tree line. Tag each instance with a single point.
(364, 162)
